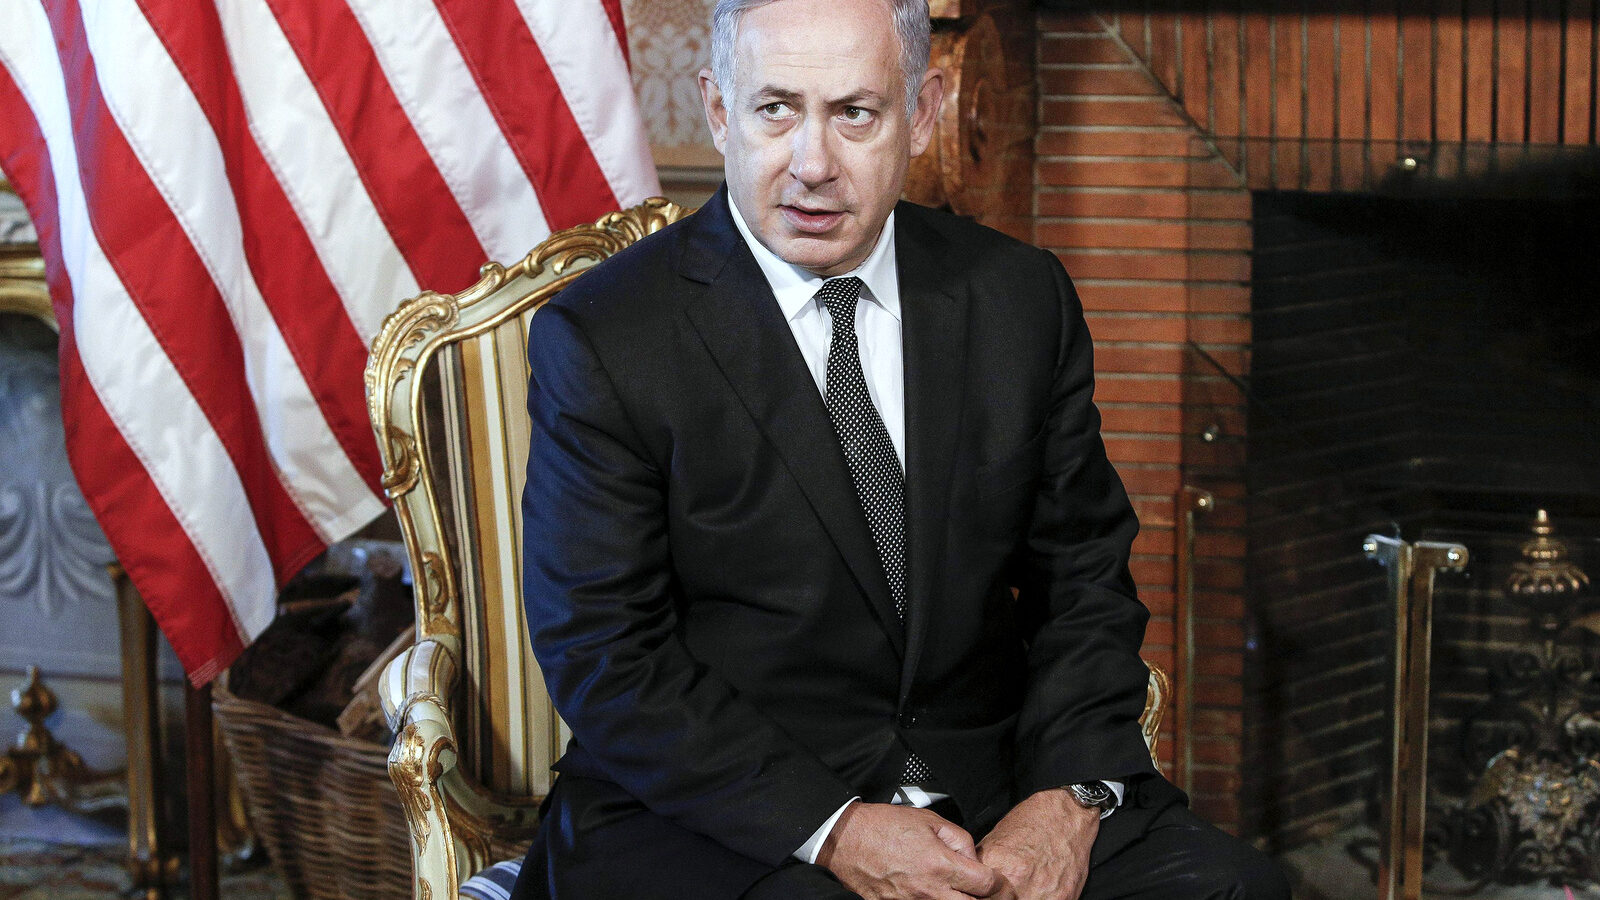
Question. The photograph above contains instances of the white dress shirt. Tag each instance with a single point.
(877, 323)
(883, 364)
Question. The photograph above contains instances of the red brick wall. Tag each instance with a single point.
(1330, 96)
(1154, 227)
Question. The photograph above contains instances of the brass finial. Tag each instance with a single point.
(1545, 571)
(37, 766)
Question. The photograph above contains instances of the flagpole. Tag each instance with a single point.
(200, 747)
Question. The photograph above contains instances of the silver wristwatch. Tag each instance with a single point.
(1094, 795)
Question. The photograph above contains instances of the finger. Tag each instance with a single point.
(956, 838)
(1006, 893)
(976, 879)
(1004, 890)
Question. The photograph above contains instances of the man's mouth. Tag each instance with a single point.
(811, 221)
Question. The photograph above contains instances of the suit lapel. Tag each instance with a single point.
(743, 329)
(934, 302)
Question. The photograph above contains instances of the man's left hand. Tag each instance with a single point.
(1042, 846)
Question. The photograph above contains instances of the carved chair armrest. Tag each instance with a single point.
(415, 683)
(412, 692)
(1157, 693)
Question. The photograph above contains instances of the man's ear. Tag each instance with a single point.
(928, 100)
(716, 110)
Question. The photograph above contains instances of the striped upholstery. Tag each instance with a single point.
(515, 736)
(447, 390)
(510, 736)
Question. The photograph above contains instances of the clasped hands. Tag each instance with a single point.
(1039, 851)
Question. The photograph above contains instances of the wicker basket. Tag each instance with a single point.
(321, 803)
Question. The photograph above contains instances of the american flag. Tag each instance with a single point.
(230, 195)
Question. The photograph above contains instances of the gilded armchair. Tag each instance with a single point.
(447, 390)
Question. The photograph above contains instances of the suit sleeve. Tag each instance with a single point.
(601, 608)
(1083, 622)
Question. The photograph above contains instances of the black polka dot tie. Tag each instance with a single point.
(874, 467)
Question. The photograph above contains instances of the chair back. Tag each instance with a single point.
(447, 386)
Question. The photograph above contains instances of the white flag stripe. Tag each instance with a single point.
(439, 96)
(172, 137)
(124, 363)
(293, 130)
(583, 51)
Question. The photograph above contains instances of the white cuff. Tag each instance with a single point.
(813, 845)
(1117, 788)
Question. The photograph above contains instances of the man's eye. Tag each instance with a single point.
(856, 114)
(773, 109)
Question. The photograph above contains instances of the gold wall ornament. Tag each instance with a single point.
(42, 770)
(22, 284)
(980, 161)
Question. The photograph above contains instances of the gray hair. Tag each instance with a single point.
(912, 25)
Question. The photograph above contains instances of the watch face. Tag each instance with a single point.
(1094, 794)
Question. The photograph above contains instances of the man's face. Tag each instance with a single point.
(813, 128)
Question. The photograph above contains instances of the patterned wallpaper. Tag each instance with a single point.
(670, 41)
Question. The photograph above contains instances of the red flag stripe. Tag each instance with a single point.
(149, 540)
(613, 10)
(174, 292)
(123, 498)
(425, 67)
(291, 126)
(580, 46)
(510, 69)
(405, 185)
(320, 335)
(31, 178)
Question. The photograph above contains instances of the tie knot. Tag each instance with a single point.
(839, 295)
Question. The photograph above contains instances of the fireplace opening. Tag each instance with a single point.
(1428, 369)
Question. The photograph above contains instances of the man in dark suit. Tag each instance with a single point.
(825, 563)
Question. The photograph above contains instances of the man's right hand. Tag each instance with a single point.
(887, 852)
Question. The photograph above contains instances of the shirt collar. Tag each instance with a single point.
(794, 287)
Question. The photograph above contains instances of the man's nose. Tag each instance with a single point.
(811, 159)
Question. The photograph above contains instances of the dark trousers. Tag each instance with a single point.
(1179, 857)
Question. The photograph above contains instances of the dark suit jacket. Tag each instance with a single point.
(704, 596)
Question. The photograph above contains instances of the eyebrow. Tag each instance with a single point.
(775, 93)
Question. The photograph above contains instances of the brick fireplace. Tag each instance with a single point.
(1163, 126)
